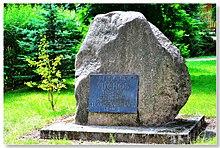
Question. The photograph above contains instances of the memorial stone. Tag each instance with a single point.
(125, 43)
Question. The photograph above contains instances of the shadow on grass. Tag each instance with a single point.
(204, 82)
(70, 86)
(10, 95)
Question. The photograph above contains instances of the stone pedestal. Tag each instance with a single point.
(182, 130)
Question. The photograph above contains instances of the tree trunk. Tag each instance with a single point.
(51, 99)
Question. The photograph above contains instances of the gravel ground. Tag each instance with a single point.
(211, 128)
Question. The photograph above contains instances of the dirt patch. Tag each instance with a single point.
(211, 124)
(210, 130)
(35, 135)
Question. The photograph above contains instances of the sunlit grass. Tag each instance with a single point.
(203, 141)
(203, 81)
(45, 142)
(27, 109)
(203, 98)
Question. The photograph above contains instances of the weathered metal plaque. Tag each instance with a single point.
(113, 93)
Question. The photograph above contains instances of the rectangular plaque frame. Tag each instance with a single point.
(113, 93)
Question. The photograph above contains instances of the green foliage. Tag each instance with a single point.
(59, 27)
(47, 68)
(177, 30)
(84, 19)
(213, 11)
(112, 137)
(56, 22)
(16, 16)
(181, 23)
(184, 25)
(66, 25)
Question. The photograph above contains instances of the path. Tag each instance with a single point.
(200, 59)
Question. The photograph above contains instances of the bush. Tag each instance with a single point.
(47, 69)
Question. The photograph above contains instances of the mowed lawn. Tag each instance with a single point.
(27, 109)
(203, 97)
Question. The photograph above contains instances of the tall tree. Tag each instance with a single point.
(61, 33)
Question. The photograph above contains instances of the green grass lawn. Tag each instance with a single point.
(203, 96)
(27, 109)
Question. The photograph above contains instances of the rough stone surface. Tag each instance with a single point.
(126, 43)
(184, 129)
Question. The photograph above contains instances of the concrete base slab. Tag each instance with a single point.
(183, 130)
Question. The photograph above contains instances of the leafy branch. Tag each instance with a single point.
(50, 77)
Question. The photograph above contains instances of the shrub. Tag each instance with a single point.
(47, 69)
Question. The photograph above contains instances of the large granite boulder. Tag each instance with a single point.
(126, 43)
